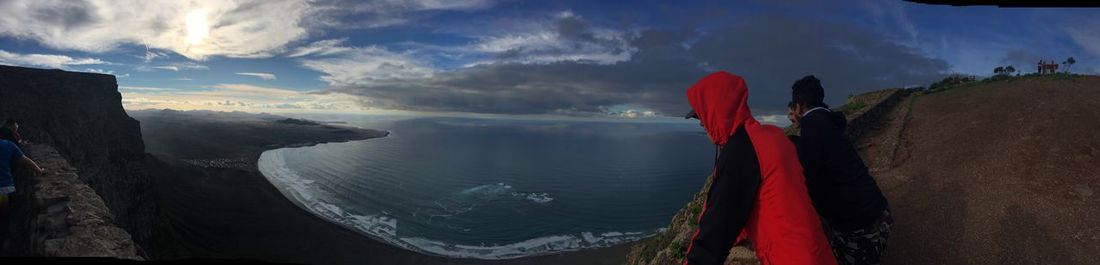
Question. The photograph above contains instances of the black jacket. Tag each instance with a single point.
(842, 190)
(729, 201)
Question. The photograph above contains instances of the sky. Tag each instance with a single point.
(603, 59)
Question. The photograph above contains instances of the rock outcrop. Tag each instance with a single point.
(81, 115)
(68, 218)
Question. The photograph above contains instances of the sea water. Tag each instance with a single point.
(495, 189)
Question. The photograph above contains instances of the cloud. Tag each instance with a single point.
(176, 66)
(45, 60)
(234, 97)
(1021, 58)
(99, 71)
(323, 47)
(264, 76)
(152, 55)
(251, 28)
(892, 19)
(365, 66)
(1085, 35)
(563, 36)
(355, 14)
(848, 58)
(140, 88)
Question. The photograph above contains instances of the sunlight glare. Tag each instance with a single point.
(197, 26)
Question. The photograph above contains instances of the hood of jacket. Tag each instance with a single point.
(836, 118)
(720, 100)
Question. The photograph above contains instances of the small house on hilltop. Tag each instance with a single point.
(1047, 68)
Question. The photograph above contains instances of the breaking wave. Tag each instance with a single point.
(384, 227)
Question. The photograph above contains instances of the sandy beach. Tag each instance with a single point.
(220, 206)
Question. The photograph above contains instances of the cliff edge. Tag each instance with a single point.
(81, 116)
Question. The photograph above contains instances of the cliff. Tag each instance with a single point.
(81, 116)
(864, 113)
(60, 216)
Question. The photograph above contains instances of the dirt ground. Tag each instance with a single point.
(999, 173)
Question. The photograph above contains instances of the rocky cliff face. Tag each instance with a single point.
(81, 115)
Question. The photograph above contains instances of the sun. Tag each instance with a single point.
(197, 26)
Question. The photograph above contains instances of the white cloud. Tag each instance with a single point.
(99, 71)
(46, 60)
(776, 119)
(549, 39)
(544, 39)
(264, 76)
(235, 97)
(141, 88)
(323, 47)
(250, 28)
(151, 55)
(895, 14)
(564, 36)
(368, 66)
(634, 114)
(1085, 35)
(177, 66)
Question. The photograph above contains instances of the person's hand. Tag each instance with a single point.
(39, 171)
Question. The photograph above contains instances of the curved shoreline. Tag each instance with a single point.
(552, 245)
(219, 212)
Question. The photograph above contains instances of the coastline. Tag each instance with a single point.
(239, 213)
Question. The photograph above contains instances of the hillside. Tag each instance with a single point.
(998, 172)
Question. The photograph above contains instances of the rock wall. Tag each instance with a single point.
(63, 216)
(81, 115)
(869, 117)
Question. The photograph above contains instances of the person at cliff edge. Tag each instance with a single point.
(10, 153)
(757, 190)
(856, 214)
(10, 132)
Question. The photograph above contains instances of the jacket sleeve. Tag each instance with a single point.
(811, 147)
(729, 202)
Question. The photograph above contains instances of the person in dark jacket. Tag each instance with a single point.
(10, 132)
(856, 214)
(757, 190)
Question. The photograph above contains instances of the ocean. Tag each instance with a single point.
(498, 189)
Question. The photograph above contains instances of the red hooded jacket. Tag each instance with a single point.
(781, 224)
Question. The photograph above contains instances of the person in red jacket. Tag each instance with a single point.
(757, 190)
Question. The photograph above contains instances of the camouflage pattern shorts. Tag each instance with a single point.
(864, 246)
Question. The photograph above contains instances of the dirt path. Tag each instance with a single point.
(1002, 173)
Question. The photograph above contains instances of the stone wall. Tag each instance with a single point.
(59, 216)
(868, 118)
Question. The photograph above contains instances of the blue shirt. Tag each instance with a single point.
(8, 153)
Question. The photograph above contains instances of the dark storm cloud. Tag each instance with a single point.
(1024, 60)
(770, 52)
(773, 52)
(67, 14)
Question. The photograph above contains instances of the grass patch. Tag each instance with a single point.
(852, 107)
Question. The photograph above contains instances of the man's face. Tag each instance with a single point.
(704, 129)
(792, 114)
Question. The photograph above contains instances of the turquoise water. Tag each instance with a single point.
(495, 189)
